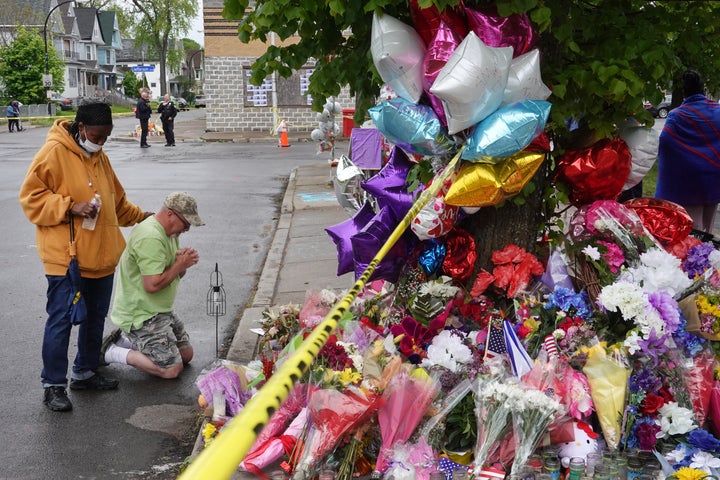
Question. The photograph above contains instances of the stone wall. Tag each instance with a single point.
(226, 110)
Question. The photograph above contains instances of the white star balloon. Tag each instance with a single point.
(472, 83)
(398, 53)
(524, 81)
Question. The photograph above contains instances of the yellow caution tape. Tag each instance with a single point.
(222, 457)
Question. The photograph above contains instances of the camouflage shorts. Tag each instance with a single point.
(161, 338)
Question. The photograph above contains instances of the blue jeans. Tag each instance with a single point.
(97, 292)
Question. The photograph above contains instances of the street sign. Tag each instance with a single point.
(143, 68)
(47, 80)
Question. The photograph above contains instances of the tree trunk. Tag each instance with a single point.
(495, 227)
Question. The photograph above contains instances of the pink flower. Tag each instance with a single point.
(613, 256)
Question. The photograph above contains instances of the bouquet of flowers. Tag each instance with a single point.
(492, 412)
(333, 414)
(532, 413)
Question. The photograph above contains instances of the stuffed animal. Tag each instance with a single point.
(586, 441)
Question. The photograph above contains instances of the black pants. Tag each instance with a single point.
(169, 129)
(143, 131)
(13, 124)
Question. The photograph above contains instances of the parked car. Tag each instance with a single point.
(62, 102)
(200, 101)
(180, 103)
(660, 110)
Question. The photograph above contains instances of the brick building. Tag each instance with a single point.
(233, 104)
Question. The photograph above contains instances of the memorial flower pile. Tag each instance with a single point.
(443, 362)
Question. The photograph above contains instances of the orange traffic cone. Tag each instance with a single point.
(282, 131)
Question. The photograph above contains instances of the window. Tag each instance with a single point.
(72, 77)
(88, 52)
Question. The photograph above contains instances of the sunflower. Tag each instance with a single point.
(687, 473)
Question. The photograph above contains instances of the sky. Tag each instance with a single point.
(196, 30)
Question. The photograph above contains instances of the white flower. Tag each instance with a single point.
(441, 288)
(625, 297)
(658, 271)
(704, 461)
(676, 455)
(714, 259)
(631, 342)
(448, 350)
(675, 420)
(592, 252)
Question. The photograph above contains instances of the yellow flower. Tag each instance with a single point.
(209, 432)
(347, 377)
(531, 324)
(687, 473)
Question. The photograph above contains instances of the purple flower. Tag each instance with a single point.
(697, 259)
(654, 346)
(703, 440)
(644, 380)
(645, 430)
(667, 307)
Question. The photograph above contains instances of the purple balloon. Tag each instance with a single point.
(389, 185)
(367, 243)
(343, 232)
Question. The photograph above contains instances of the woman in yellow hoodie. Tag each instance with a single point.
(64, 178)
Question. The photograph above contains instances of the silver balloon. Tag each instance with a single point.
(347, 184)
(333, 108)
(643, 144)
(398, 53)
(524, 81)
(324, 116)
(317, 134)
(472, 83)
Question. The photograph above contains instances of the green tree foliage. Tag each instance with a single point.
(22, 65)
(130, 84)
(602, 58)
(160, 24)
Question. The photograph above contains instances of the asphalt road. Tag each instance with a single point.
(146, 427)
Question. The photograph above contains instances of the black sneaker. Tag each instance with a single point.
(96, 382)
(56, 399)
(144, 146)
(113, 337)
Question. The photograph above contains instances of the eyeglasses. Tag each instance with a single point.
(186, 224)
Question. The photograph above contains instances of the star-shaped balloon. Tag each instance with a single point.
(507, 131)
(524, 80)
(398, 51)
(389, 185)
(341, 235)
(368, 242)
(515, 31)
(472, 83)
(415, 128)
(486, 184)
(346, 183)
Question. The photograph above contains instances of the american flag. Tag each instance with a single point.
(496, 343)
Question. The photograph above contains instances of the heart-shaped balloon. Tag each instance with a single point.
(667, 221)
(472, 83)
(515, 31)
(427, 20)
(436, 218)
(596, 173)
(342, 233)
(643, 143)
(412, 127)
(524, 80)
(398, 52)
(507, 131)
(486, 184)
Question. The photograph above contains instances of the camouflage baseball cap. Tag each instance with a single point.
(185, 205)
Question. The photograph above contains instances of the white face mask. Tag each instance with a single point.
(89, 146)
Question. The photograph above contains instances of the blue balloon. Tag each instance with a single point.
(432, 256)
(414, 128)
(507, 131)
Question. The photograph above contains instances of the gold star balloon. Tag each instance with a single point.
(486, 184)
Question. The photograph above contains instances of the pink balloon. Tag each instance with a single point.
(427, 20)
(514, 31)
(438, 52)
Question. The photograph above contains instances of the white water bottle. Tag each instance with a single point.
(89, 223)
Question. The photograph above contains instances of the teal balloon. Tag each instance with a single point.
(507, 131)
(414, 128)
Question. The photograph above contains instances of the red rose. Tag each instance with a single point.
(651, 404)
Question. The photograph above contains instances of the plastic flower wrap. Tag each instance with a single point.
(698, 374)
(333, 414)
(532, 413)
(608, 377)
(411, 461)
(492, 411)
(404, 404)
